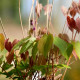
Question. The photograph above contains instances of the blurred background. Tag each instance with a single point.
(9, 14)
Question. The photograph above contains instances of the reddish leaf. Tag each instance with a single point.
(64, 37)
(10, 57)
(31, 62)
(71, 23)
(72, 12)
(15, 42)
(8, 45)
(25, 56)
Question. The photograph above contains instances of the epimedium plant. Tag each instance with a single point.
(41, 55)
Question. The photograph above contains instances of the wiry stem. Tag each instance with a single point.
(75, 35)
(21, 20)
(31, 13)
(64, 27)
(47, 15)
(66, 68)
(3, 28)
(51, 11)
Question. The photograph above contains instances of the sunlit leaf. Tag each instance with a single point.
(76, 46)
(26, 46)
(20, 43)
(45, 44)
(6, 66)
(64, 47)
(34, 50)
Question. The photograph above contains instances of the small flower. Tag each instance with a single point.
(64, 10)
(31, 22)
(74, 5)
(38, 8)
(47, 9)
(34, 28)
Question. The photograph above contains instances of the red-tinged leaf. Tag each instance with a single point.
(31, 61)
(72, 12)
(74, 54)
(15, 42)
(64, 37)
(8, 45)
(71, 23)
(25, 56)
(10, 57)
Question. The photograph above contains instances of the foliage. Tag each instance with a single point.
(40, 51)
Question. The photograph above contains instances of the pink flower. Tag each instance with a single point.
(64, 10)
(74, 5)
(47, 9)
(38, 8)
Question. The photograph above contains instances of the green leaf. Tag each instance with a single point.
(34, 50)
(1, 59)
(76, 46)
(20, 43)
(61, 66)
(6, 66)
(45, 44)
(64, 47)
(26, 46)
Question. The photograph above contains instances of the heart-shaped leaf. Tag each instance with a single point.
(64, 47)
(45, 44)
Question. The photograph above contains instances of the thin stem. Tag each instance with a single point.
(75, 35)
(72, 34)
(47, 14)
(31, 13)
(66, 68)
(3, 28)
(21, 20)
(64, 27)
(52, 67)
(51, 12)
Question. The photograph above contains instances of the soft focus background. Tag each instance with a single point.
(10, 17)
